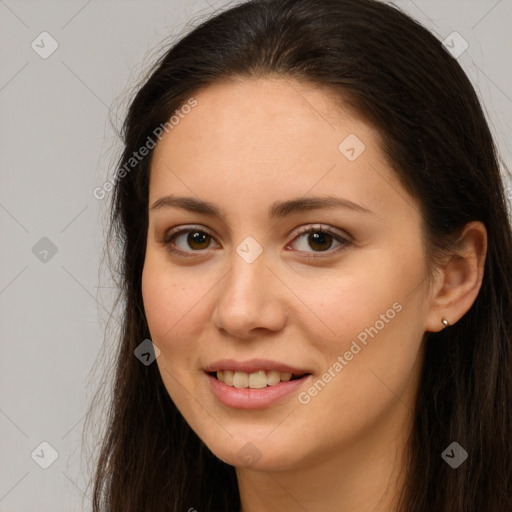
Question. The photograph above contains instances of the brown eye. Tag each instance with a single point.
(198, 240)
(320, 240)
(188, 241)
(317, 239)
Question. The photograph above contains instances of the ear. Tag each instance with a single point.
(459, 279)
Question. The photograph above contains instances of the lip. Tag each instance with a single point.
(254, 365)
(247, 398)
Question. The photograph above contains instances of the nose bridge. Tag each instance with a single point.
(244, 286)
(246, 275)
(247, 299)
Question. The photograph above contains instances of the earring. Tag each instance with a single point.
(445, 322)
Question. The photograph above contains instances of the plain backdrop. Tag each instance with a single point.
(56, 146)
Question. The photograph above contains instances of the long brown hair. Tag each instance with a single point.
(401, 79)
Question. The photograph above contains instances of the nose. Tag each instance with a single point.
(250, 298)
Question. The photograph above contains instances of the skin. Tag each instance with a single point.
(344, 449)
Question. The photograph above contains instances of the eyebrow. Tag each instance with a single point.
(278, 210)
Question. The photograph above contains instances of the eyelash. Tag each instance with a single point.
(167, 242)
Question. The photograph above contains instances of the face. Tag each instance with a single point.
(333, 291)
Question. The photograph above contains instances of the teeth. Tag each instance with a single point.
(228, 377)
(255, 380)
(273, 378)
(241, 380)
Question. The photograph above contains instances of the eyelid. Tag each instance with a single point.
(325, 228)
(343, 238)
(179, 231)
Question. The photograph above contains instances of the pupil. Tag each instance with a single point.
(197, 237)
(318, 239)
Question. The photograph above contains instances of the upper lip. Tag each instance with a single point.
(254, 365)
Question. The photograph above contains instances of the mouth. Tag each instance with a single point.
(255, 380)
(256, 383)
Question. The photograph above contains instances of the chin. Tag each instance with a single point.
(259, 455)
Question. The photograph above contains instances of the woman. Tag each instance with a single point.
(314, 237)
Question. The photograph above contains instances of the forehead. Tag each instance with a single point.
(238, 114)
(259, 140)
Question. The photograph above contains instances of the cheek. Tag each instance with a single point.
(166, 302)
(175, 304)
(169, 308)
(374, 315)
(157, 293)
(170, 298)
(373, 356)
(347, 303)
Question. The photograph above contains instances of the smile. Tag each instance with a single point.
(255, 380)
(255, 398)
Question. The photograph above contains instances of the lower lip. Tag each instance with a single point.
(247, 398)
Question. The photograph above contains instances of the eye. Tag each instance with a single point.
(321, 239)
(192, 238)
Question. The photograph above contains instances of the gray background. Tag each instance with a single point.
(57, 145)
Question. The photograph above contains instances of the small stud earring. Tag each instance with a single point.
(445, 322)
